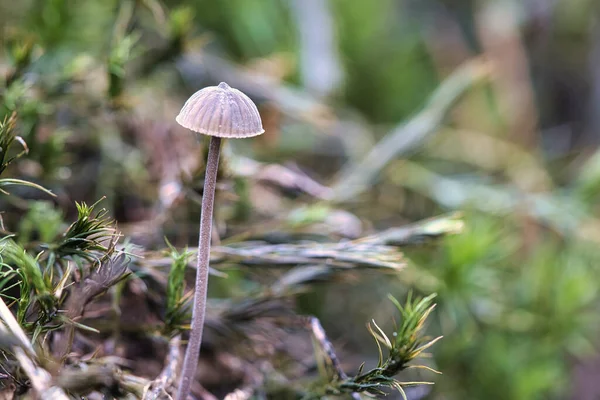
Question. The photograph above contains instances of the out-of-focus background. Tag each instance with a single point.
(377, 113)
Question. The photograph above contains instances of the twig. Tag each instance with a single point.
(158, 389)
(352, 254)
(329, 353)
(325, 345)
(406, 137)
(376, 251)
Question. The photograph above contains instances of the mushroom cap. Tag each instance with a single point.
(221, 111)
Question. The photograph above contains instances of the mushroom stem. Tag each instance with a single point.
(192, 353)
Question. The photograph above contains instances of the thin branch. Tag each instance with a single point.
(380, 250)
(326, 346)
(160, 387)
(328, 351)
(335, 255)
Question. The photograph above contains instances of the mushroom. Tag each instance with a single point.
(219, 112)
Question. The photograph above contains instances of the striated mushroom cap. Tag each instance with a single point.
(221, 111)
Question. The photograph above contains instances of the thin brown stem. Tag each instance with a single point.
(192, 352)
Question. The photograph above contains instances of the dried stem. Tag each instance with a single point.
(327, 348)
(159, 387)
(192, 353)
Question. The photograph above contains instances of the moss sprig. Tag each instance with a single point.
(177, 312)
(406, 344)
(88, 234)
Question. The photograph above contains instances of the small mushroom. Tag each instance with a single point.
(220, 112)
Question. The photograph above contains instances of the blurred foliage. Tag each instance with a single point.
(87, 98)
(177, 301)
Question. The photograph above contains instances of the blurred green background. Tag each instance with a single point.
(97, 85)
